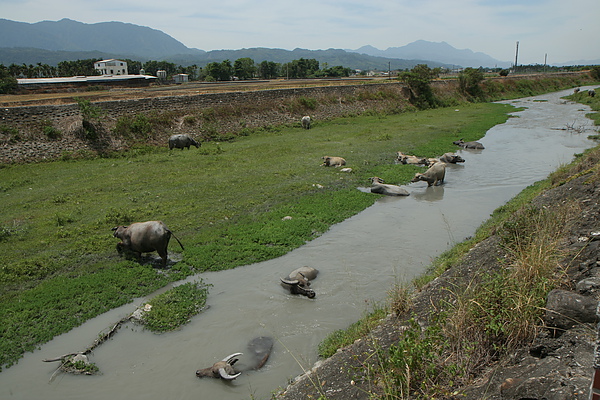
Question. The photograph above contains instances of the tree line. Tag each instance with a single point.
(242, 68)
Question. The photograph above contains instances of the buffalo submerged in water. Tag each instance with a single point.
(258, 351)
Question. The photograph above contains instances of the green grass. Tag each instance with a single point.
(225, 201)
(175, 307)
(344, 337)
(594, 102)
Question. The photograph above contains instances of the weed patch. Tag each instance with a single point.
(344, 337)
(416, 366)
(175, 307)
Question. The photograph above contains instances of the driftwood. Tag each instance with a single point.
(77, 362)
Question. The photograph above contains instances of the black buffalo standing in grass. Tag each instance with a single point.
(180, 141)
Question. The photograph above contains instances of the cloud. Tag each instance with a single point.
(564, 30)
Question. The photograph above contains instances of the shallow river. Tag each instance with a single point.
(359, 260)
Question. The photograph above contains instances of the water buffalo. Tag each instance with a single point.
(377, 186)
(306, 122)
(469, 145)
(221, 369)
(407, 159)
(298, 281)
(145, 237)
(333, 161)
(433, 176)
(259, 350)
(181, 141)
(451, 158)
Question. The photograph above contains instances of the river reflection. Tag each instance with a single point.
(359, 260)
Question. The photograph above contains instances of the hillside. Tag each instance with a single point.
(331, 57)
(106, 37)
(50, 42)
(440, 52)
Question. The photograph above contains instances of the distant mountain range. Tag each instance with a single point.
(441, 52)
(106, 37)
(49, 42)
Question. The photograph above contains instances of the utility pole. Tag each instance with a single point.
(517, 56)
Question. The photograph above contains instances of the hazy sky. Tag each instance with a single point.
(565, 30)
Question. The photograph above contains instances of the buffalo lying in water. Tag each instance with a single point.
(298, 281)
(451, 158)
(469, 145)
(221, 369)
(377, 186)
(259, 350)
(410, 159)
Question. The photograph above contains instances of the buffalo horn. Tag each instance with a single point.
(290, 282)
(230, 359)
(226, 376)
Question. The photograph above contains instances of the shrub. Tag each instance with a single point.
(8, 83)
(163, 118)
(469, 80)
(595, 72)
(11, 132)
(133, 127)
(189, 119)
(51, 132)
(309, 103)
(90, 115)
(415, 364)
(87, 110)
(418, 80)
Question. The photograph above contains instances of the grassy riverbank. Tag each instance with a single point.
(225, 201)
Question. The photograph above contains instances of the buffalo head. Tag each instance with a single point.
(221, 369)
(298, 281)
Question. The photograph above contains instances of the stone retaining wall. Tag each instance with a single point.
(22, 137)
(28, 115)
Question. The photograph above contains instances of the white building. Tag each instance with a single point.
(181, 78)
(111, 67)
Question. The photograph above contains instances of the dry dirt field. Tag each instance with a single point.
(67, 96)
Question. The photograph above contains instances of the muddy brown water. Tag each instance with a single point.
(359, 260)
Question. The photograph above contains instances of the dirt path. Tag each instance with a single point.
(62, 96)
